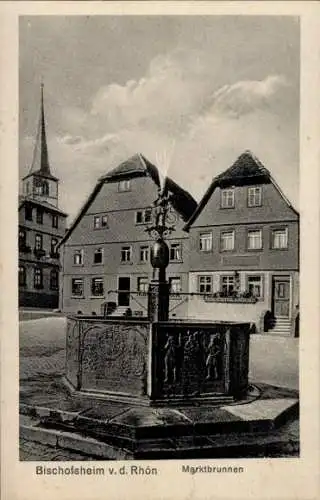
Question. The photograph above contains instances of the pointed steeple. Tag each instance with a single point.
(39, 184)
(40, 161)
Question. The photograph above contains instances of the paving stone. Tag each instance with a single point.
(28, 420)
(33, 451)
(106, 411)
(262, 409)
(192, 442)
(207, 414)
(172, 416)
(43, 436)
(139, 417)
(91, 447)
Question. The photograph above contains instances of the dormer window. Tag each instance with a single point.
(254, 196)
(124, 185)
(227, 198)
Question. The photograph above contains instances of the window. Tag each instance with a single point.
(281, 291)
(45, 188)
(38, 242)
(175, 251)
(22, 238)
(254, 239)
(54, 279)
(97, 287)
(143, 285)
(205, 242)
(38, 277)
(254, 196)
(175, 285)
(100, 221)
(254, 286)
(22, 276)
(39, 217)
(279, 238)
(124, 185)
(41, 187)
(98, 256)
(78, 258)
(205, 284)
(28, 212)
(125, 254)
(54, 243)
(55, 221)
(144, 254)
(77, 287)
(38, 189)
(227, 241)
(227, 285)
(143, 216)
(227, 198)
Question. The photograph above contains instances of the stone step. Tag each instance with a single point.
(134, 424)
(119, 311)
(196, 446)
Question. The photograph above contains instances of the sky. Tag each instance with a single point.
(189, 93)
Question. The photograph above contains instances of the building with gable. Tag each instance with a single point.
(244, 250)
(41, 227)
(105, 253)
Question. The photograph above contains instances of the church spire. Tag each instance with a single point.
(40, 162)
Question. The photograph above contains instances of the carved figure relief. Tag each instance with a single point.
(213, 351)
(170, 361)
(192, 367)
(192, 361)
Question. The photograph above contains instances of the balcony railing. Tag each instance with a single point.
(229, 298)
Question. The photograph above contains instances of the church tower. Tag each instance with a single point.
(39, 184)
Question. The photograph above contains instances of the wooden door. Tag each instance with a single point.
(124, 291)
(281, 296)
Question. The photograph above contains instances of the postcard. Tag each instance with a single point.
(160, 250)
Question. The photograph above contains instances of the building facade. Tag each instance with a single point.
(41, 227)
(244, 251)
(106, 252)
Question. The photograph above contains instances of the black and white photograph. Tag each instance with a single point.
(158, 237)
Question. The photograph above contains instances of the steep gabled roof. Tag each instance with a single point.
(246, 170)
(138, 166)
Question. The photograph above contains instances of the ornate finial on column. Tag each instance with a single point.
(158, 298)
